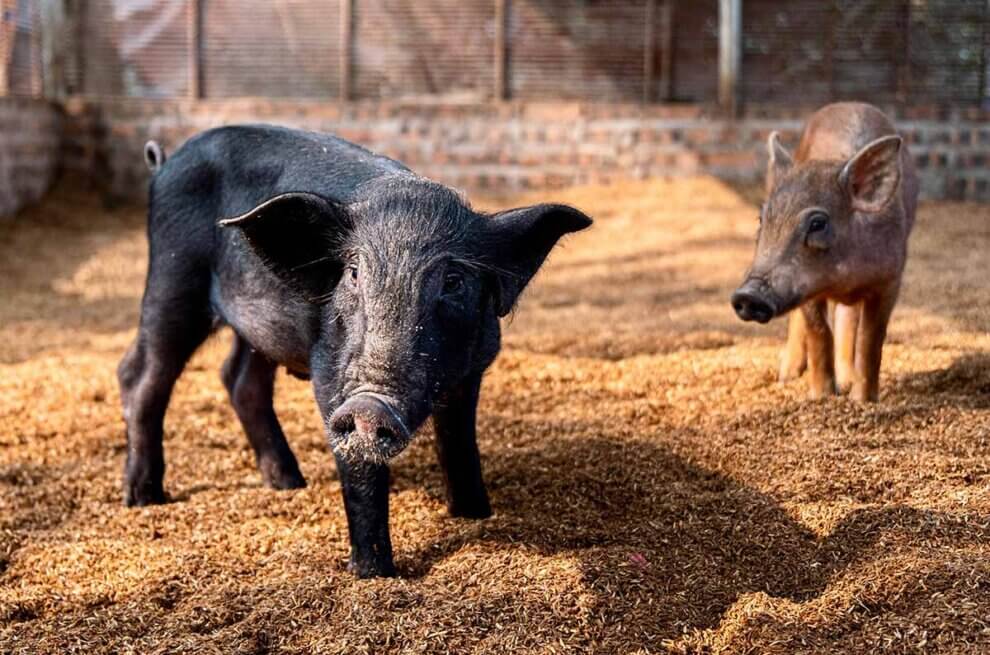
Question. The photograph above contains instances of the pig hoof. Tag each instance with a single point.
(281, 476)
(285, 481)
(843, 387)
(365, 569)
(790, 371)
(479, 510)
(818, 393)
(863, 395)
(787, 375)
(143, 495)
(846, 381)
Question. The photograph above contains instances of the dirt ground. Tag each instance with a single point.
(655, 489)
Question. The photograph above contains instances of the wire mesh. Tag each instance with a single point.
(878, 50)
(694, 50)
(800, 51)
(135, 48)
(948, 46)
(411, 48)
(576, 49)
(281, 48)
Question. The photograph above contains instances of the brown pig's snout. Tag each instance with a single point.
(370, 418)
(753, 301)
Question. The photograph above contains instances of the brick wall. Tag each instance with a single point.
(518, 145)
(29, 151)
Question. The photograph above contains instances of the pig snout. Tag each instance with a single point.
(368, 426)
(753, 301)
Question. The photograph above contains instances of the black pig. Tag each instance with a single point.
(345, 267)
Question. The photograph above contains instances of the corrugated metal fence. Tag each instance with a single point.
(803, 51)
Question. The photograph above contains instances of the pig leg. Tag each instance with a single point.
(250, 381)
(457, 450)
(821, 378)
(172, 327)
(846, 324)
(869, 345)
(365, 489)
(794, 357)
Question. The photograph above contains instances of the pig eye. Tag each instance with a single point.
(351, 272)
(453, 283)
(817, 222)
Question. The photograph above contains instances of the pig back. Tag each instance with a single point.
(838, 131)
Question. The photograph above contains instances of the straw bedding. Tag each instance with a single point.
(654, 488)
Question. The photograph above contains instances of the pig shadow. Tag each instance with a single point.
(662, 543)
(964, 384)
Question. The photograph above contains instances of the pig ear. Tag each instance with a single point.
(873, 174)
(780, 160)
(523, 239)
(296, 235)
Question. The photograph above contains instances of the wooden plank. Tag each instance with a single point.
(346, 48)
(667, 51)
(649, 51)
(729, 54)
(501, 49)
(195, 27)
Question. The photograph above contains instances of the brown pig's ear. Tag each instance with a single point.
(780, 160)
(521, 239)
(873, 174)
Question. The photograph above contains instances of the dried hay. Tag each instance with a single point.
(654, 488)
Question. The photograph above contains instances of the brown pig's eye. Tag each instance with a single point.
(818, 222)
(818, 235)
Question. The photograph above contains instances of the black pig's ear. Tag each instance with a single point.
(297, 236)
(523, 238)
(873, 174)
(779, 159)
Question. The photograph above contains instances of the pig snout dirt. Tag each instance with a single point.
(369, 426)
(752, 303)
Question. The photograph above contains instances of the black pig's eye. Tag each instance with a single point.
(453, 282)
(352, 273)
(817, 223)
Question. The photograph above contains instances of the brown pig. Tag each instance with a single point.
(833, 232)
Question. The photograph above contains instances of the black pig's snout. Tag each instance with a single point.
(368, 426)
(751, 303)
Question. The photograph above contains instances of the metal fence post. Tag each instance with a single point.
(195, 30)
(346, 37)
(57, 40)
(501, 39)
(984, 99)
(729, 54)
(904, 68)
(667, 48)
(649, 51)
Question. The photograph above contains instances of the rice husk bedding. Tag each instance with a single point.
(654, 488)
